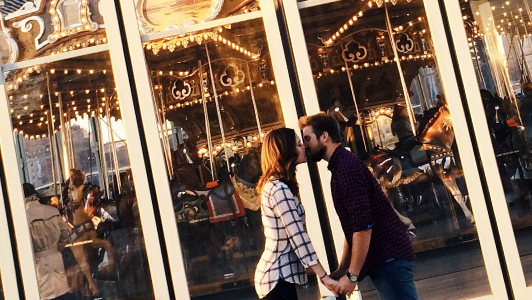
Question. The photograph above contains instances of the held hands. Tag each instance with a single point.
(330, 284)
(345, 286)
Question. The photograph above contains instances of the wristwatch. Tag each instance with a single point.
(352, 277)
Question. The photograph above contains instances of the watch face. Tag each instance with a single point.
(351, 277)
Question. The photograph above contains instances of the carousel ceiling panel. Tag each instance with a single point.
(71, 88)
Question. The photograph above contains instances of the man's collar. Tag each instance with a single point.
(334, 160)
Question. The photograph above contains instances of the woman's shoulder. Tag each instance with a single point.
(274, 185)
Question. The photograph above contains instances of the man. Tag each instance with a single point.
(49, 236)
(376, 245)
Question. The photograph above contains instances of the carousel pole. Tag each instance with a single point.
(52, 152)
(113, 146)
(254, 102)
(526, 35)
(217, 108)
(164, 128)
(400, 69)
(70, 140)
(65, 149)
(520, 43)
(101, 146)
(479, 70)
(51, 133)
(359, 119)
(207, 122)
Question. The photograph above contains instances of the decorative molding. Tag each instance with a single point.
(232, 81)
(360, 52)
(180, 93)
(26, 25)
(26, 9)
(404, 43)
(86, 23)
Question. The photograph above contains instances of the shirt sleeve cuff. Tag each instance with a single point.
(311, 263)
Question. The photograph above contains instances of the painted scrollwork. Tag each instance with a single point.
(153, 15)
(27, 8)
(8, 46)
(354, 51)
(232, 76)
(181, 89)
(404, 43)
(26, 26)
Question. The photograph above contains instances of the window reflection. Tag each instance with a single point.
(500, 44)
(73, 152)
(375, 70)
(217, 97)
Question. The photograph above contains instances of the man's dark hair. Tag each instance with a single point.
(320, 123)
(29, 189)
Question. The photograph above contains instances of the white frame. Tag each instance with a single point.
(7, 264)
(144, 90)
(14, 183)
(489, 162)
(463, 139)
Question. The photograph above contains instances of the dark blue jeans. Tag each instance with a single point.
(395, 280)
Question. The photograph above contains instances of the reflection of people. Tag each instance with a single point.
(49, 236)
(288, 250)
(375, 242)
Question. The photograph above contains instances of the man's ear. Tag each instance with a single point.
(324, 137)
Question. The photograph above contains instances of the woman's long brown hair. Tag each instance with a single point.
(278, 159)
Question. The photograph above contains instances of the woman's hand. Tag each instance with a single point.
(330, 284)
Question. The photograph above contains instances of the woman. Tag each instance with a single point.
(288, 250)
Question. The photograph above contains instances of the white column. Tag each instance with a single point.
(489, 164)
(16, 199)
(463, 138)
(155, 149)
(284, 89)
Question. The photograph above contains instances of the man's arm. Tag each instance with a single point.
(361, 240)
(360, 247)
(344, 263)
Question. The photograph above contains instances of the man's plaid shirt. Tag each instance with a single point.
(288, 250)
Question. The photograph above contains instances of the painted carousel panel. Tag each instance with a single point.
(162, 15)
(42, 28)
(75, 168)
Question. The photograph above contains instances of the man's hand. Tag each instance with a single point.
(345, 286)
(330, 284)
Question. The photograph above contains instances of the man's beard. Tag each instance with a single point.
(318, 154)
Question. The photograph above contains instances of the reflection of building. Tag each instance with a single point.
(39, 163)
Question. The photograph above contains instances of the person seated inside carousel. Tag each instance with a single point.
(49, 235)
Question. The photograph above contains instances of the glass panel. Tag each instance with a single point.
(36, 30)
(217, 97)
(397, 121)
(67, 116)
(504, 79)
(162, 15)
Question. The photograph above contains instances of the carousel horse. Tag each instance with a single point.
(416, 160)
(84, 231)
(247, 171)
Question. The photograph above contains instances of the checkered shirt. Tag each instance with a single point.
(288, 250)
(361, 204)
